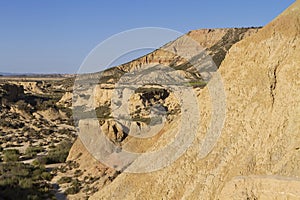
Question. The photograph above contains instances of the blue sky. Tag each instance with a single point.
(54, 36)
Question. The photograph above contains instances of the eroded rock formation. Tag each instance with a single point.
(259, 142)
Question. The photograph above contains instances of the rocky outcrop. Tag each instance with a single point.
(212, 40)
(11, 93)
(216, 42)
(143, 101)
(33, 87)
(260, 137)
(146, 97)
(66, 100)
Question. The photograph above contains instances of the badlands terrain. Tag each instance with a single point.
(47, 123)
(37, 132)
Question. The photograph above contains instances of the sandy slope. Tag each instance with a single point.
(260, 137)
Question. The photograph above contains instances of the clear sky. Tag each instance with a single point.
(54, 36)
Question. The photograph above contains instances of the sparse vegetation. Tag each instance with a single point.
(25, 121)
(32, 151)
(11, 155)
(23, 181)
(64, 179)
(74, 188)
(60, 153)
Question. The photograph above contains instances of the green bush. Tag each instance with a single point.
(46, 176)
(75, 187)
(64, 179)
(72, 190)
(23, 181)
(78, 173)
(59, 154)
(11, 155)
(39, 162)
(33, 151)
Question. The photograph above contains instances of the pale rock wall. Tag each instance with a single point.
(260, 136)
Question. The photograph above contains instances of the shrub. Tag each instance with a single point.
(46, 176)
(33, 151)
(38, 162)
(59, 154)
(78, 172)
(11, 155)
(37, 173)
(75, 187)
(72, 190)
(25, 183)
(64, 179)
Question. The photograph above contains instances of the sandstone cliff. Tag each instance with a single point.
(257, 155)
(216, 42)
